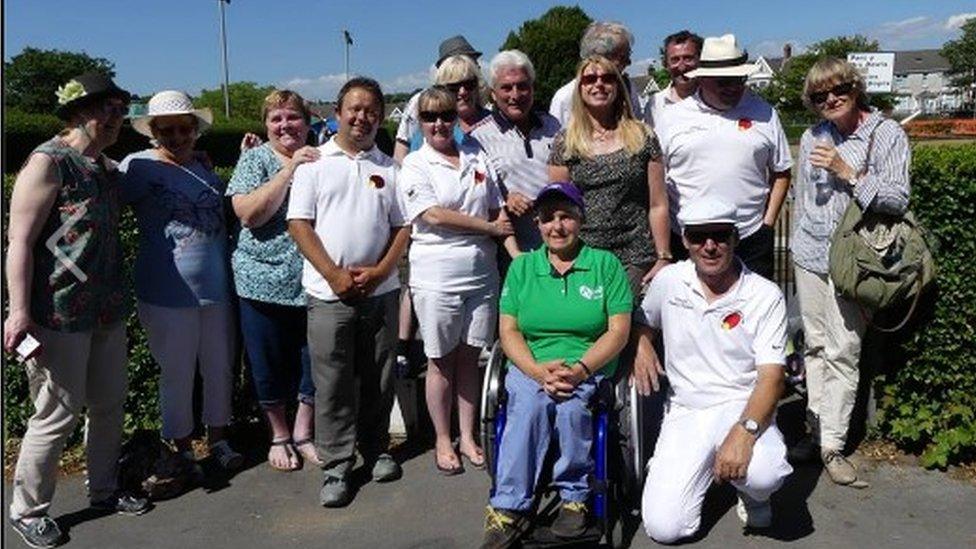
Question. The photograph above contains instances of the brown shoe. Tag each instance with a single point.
(503, 528)
(571, 520)
(841, 470)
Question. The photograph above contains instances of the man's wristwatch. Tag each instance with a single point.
(750, 425)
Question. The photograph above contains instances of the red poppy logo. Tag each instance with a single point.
(376, 181)
(744, 124)
(479, 176)
(731, 320)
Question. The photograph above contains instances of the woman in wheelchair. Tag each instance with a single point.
(565, 316)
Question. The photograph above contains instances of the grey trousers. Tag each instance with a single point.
(352, 348)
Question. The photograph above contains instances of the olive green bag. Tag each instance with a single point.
(880, 261)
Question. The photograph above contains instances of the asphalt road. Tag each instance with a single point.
(904, 507)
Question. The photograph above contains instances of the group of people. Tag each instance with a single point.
(607, 222)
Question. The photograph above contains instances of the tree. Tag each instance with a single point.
(32, 76)
(552, 43)
(660, 75)
(246, 100)
(961, 55)
(786, 90)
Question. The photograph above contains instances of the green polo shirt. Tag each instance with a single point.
(562, 316)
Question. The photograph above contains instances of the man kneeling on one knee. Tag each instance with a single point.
(724, 331)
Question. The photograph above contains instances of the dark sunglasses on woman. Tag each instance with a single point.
(430, 117)
(606, 79)
(838, 90)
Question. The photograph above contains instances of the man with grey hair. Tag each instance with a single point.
(610, 40)
(516, 140)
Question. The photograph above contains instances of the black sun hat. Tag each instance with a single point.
(84, 89)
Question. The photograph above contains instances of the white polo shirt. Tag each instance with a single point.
(654, 112)
(561, 104)
(730, 154)
(712, 350)
(444, 259)
(354, 204)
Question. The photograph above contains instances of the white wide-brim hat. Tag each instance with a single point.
(171, 103)
(721, 56)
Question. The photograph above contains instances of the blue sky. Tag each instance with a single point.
(174, 44)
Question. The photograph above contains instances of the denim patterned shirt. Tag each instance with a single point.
(267, 265)
(818, 208)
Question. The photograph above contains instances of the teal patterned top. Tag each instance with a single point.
(266, 262)
(77, 283)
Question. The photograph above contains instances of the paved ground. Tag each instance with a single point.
(904, 507)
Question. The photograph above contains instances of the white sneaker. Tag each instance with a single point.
(752, 513)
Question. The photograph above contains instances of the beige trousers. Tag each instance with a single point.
(833, 328)
(73, 371)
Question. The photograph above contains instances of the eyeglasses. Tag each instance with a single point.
(182, 129)
(840, 89)
(455, 87)
(605, 78)
(429, 117)
(730, 81)
(719, 236)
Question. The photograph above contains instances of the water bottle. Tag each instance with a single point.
(819, 176)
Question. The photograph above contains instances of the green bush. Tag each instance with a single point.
(927, 398)
(23, 132)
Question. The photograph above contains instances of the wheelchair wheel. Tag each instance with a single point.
(492, 403)
(637, 430)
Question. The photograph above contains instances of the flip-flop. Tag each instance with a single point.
(476, 464)
(310, 456)
(290, 450)
(448, 471)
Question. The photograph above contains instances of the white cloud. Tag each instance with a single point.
(326, 87)
(956, 21)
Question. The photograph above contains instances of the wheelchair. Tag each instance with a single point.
(621, 449)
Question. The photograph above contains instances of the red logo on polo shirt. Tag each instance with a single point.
(479, 176)
(731, 320)
(376, 181)
(744, 124)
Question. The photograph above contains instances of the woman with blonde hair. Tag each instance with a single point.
(615, 160)
(267, 275)
(853, 153)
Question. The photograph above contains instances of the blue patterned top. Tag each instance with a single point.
(266, 262)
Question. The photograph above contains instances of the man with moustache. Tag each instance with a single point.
(724, 333)
(725, 141)
(346, 219)
(517, 140)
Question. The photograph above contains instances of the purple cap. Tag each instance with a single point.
(562, 189)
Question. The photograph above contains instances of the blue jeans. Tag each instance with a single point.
(277, 350)
(533, 419)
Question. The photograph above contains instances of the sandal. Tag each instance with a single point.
(309, 454)
(448, 471)
(289, 451)
(477, 460)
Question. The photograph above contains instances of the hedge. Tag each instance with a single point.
(23, 132)
(927, 393)
(927, 399)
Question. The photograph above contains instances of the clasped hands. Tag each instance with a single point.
(355, 282)
(559, 379)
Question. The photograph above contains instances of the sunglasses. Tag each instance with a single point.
(719, 236)
(606, 79)
(455, 87)
(182, 129)
(448, 117)
(730, 81)
(840, 89)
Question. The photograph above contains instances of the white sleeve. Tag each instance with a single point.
(781, 159)
(650, 308)
(302, 198)
(408, 124)
(769, 345)
(416, 189)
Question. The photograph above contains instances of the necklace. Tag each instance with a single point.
(603, 134)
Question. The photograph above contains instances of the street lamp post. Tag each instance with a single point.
(223, 48)
(347, 41)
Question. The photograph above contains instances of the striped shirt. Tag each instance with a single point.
(884, 188)
(521, 162)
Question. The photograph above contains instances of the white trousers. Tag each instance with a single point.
(179, 339)
(680, 472)
(833, 328)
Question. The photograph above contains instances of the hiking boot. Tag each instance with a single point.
(807, 450)
(225, 456)
(122, 504)
(841, 470)
(571, 520)
(335, 492)
(752, 513)
(39, 532)
(386, 469)
(503, 528)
